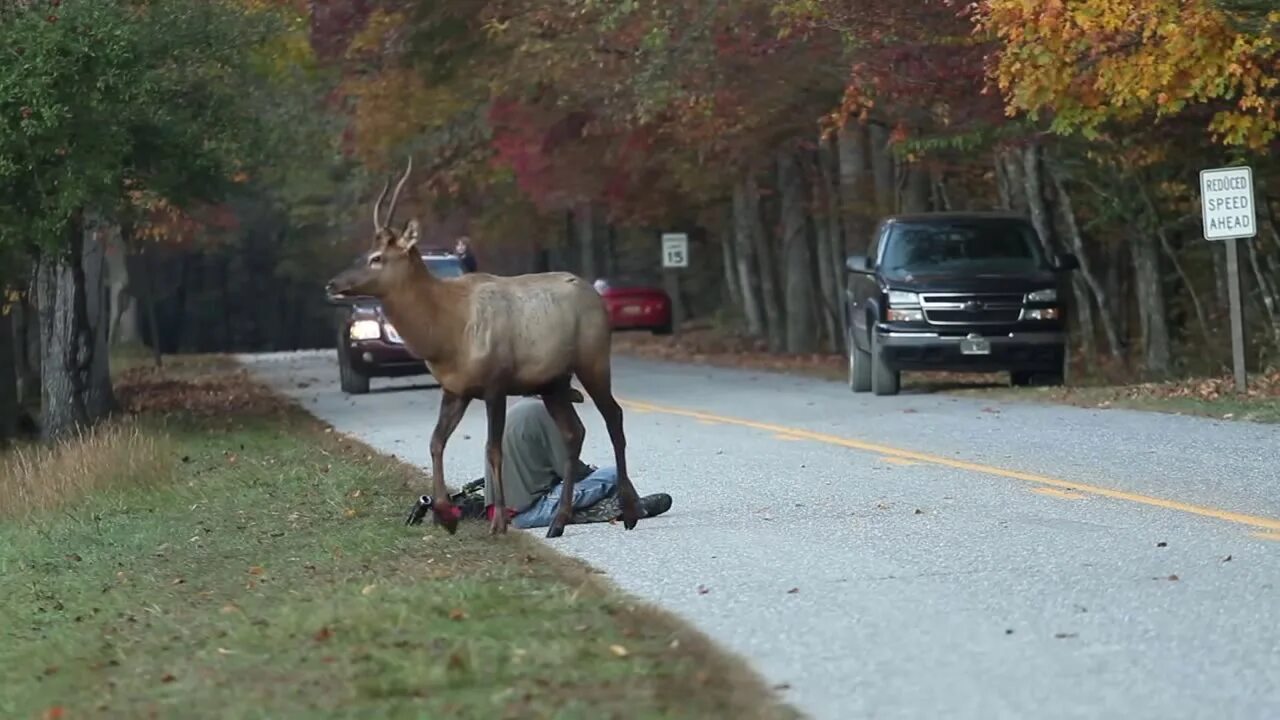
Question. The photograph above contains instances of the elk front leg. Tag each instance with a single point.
(599, 387)
(560, 407)
(497, 410)
(452, 408)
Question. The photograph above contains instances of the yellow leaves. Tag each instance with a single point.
(1096, 60)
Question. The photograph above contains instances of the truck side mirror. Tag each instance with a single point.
(1068, 262)
(858, 264)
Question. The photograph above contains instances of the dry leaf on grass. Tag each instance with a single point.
(618, 650)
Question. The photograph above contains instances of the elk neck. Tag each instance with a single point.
(427, 311)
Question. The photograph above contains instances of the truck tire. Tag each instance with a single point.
(884, 380)
(859, 367)
(349, 378)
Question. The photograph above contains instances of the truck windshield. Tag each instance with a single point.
(444, 267)
(970, 247)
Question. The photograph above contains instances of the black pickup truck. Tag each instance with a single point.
(965, 292)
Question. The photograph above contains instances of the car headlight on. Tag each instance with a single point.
(905, 315)
(365, 330)
(1048, 295)
(1040, 314)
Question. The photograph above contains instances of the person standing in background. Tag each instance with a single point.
(463, 251)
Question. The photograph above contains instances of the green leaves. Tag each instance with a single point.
(104, 98)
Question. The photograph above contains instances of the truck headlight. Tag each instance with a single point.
(1040, 314)
(1048, 295)
(365, 330)
(900, 298)
(905, 315)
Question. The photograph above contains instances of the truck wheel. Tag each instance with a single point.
(859, 367)
(884, 380)
(348, 377)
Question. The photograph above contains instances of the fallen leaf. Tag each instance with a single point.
(618, 650)
(703, 589)
(368, 589)
(1173, 578)
(1226, 559)
(53, 713)
(782, 686)
(675, 644)
(167, 678)
(224, 651)
(354, 493)
(793, 591)
(323, 634)
(178, 581)
(230, 608)
(256, 570)
(74, 557)
(1008, 631)
(457, 614)
(350, 512)
(51, 670)
(1162, 544)
(1064, 636)
(919, 511)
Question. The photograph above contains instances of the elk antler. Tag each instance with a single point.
(395, 197)
(377, 224)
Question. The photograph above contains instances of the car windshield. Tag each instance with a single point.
(444, 267)
(970, 247)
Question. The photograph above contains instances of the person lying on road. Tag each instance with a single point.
(534, 454)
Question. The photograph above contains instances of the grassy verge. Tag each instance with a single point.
(1207, 397)
(259, 568)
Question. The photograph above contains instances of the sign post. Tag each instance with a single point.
(1227, 206)
(675, 250)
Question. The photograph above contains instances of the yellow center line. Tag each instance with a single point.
(1254, 521)
(899, 461)
(1055, 492)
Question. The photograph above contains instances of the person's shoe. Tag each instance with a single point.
(656, 504)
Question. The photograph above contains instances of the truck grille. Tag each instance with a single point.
(971, 309)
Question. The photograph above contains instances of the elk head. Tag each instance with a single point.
(392, 257)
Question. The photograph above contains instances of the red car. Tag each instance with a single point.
(636, 306)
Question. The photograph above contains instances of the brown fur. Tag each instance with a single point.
(488, 337)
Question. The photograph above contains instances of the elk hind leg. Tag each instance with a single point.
(559, 405)
(452, 408)
(598, 384)
(496, 406)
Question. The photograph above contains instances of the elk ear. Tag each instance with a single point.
(412, 232)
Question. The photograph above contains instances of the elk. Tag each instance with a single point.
(489, 337)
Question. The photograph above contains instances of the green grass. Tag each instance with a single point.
(271, 576)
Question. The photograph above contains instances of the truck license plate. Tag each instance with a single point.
(975, 346)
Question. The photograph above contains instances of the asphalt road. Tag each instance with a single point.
(920, 556)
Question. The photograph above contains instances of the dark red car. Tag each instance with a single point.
(635, 306)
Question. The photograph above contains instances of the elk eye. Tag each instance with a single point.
(375, 260)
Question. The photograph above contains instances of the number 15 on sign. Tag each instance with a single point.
(675, 250)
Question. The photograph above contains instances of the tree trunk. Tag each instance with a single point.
(729, 264)
(882, 168)
(775, 321)
(26, 330)
(99, 399)
(746, 221)
(1152, 315)
(1085, 275)
(149, 297)
(62, 378)
(9, 407)
(857, 191)
(827, 224)
(801, 336)
(915, 194)
(123, 305)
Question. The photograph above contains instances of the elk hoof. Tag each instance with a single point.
(447, 517)
(498, 526)
(630, 515)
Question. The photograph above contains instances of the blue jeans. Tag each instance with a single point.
(586, 492)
